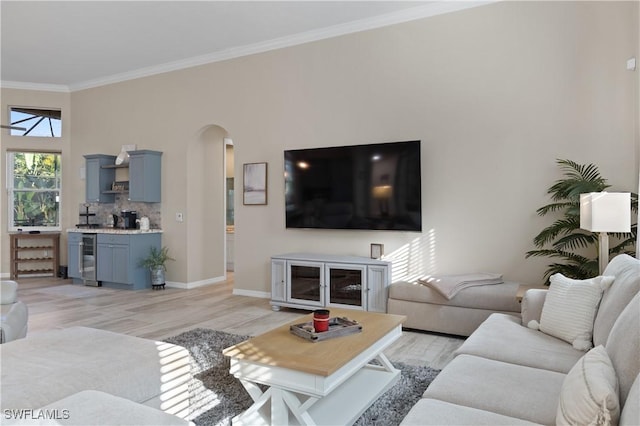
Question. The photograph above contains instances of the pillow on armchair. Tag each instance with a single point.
(14, 314)
(570, 309)
(8, 292)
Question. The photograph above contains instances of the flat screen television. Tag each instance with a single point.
(375, 186)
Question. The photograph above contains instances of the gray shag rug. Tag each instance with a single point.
(217, 396)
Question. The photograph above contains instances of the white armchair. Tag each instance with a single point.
(14, 314)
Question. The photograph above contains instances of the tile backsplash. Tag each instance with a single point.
(103, 211)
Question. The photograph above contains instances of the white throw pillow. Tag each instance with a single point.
(570, 309)
(589, 394)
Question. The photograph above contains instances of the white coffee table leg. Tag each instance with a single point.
(279, 412)
(382, 359)
(299, 410)
(281, 401)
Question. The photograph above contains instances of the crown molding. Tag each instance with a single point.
(406, 15)
(4, 84)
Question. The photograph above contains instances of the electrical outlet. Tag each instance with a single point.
(179, 217)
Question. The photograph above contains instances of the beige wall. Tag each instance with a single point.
(495, 93)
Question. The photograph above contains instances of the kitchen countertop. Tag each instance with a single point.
(113, 231)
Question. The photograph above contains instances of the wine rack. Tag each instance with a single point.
(35, 254)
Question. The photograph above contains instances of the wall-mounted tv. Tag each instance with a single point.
(375, 186)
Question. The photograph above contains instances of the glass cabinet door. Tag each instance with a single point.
(306, 282)
(346, 285)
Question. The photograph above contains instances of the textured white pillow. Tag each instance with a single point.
(589, 393)
(570, 309)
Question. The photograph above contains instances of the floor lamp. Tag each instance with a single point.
(605, 212)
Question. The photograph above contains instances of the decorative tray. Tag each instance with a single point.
(337, 327)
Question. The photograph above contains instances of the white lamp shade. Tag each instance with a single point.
(605, 211)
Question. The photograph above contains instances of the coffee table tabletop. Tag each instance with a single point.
(281, 348)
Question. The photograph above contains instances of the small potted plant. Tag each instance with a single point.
(155, 261)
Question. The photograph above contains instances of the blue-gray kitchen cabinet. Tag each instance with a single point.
(145, 170)
(73, 254)
(99, 179)
(119, 256)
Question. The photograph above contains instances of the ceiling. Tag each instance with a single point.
(72, 45)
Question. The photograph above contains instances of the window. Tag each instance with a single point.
(35, 122)
(34, 182)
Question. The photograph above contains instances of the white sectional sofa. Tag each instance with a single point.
(507, 373)
(14, 314)
(88, 376)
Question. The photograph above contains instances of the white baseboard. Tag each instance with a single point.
(195, 284)
(4, 275)
(252, 293)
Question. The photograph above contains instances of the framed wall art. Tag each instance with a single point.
(254, 189)
(377, 251)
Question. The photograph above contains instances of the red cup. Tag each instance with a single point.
(321, 320)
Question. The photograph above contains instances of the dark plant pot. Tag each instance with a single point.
(157, 275)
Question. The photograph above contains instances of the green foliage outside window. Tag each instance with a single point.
(34, 189)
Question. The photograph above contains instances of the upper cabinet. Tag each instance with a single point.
(145, 169)
(144, 177)
(99, 179)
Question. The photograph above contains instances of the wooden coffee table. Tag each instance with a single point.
(331, 382)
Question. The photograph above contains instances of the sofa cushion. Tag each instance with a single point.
(570, 308)
(78, 358)
(590, 392)
(507, 389)
(495, 297)
(92, 407)
(623, 346)
(502, 338)
(626, 269)
(630, 415)
(439, 318)
(433, 412)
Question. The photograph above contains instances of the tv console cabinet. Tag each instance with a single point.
(312, 281)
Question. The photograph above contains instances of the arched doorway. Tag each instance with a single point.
(206, 205)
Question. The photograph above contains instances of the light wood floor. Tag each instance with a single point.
(157, 314)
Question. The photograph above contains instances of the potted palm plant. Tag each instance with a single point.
(155, 261)
(575, 248)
